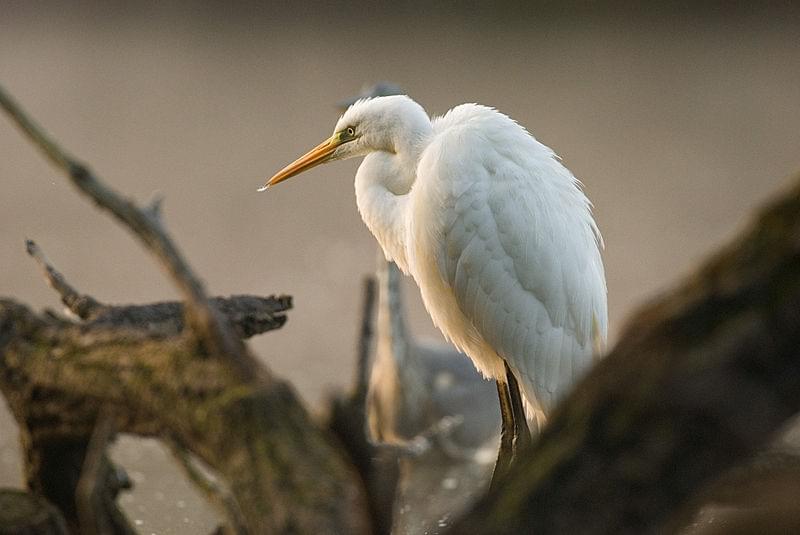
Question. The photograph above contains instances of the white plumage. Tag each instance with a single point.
(496, 232)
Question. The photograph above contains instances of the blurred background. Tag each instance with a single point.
(679, 119)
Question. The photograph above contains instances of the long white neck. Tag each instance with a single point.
(383, 185)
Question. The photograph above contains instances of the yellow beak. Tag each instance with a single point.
(319, 154)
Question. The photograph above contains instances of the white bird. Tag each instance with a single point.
(497, 234)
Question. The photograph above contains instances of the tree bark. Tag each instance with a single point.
(286, 475)
(201, 387)
(22, 513)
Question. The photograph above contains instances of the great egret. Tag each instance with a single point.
(496, 232)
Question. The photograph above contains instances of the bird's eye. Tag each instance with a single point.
(350, 131)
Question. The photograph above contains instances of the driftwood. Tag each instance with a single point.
(200, 387)
(86, 474)
(22, 513)
(700, 379)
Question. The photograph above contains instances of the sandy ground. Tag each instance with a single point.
(678, 129)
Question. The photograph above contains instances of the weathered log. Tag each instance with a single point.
(248, 315)
(201, 387)
(758, 496)
(22, 513)
(700, 378)
(59, 469)
(285, 474)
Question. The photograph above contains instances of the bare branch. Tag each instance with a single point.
(365, 341)
(88, 494)
(247, 314)
(153, 208)
(227, 410)
(82, 305)
(95, 499)
(204, 319)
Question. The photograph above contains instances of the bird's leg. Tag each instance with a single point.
(522, 434)
(506, 452)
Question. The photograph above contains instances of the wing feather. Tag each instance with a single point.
(518, 248)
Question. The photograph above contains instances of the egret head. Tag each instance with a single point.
(372, 124)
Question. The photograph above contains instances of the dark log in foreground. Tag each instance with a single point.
(700, 379)
(22, 513)
(759, 496)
